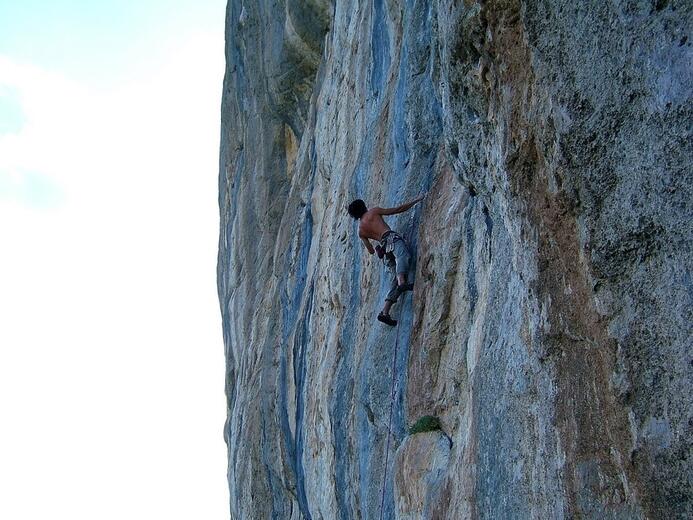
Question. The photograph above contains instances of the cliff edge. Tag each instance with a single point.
(547, 343)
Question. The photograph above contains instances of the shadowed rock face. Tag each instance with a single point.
(550, 325)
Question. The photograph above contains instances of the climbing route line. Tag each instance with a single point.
(392, 386)
(389, 422)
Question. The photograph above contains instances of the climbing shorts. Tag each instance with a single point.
(396, 252)
(396, 259)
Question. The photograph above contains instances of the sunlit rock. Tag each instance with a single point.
(549, 330)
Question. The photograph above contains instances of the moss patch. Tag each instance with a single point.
(427, 423)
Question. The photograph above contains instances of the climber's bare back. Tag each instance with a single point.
(372, 224)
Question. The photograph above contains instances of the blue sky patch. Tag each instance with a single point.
(32, 189)
(11, 113)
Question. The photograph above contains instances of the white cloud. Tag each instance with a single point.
(111, 363)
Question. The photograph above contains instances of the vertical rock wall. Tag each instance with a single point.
(550, 326)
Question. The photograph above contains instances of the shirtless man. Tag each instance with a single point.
(392, 247)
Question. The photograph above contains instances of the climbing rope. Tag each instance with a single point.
(389, 422)
(392, 388)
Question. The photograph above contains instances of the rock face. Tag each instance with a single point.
(550, 325)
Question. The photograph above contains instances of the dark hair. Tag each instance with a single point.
(357, 209)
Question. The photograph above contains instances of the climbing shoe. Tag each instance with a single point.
(387, 319)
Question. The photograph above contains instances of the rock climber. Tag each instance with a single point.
(393, 249)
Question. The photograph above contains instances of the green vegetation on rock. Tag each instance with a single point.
(427, 423)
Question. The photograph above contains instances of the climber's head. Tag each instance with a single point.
(357, 209)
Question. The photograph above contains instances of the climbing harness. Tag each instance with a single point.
(387, 246)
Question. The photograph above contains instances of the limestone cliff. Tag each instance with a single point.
(550, 326)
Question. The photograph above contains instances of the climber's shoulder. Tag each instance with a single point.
(375, 212)
(372, 218)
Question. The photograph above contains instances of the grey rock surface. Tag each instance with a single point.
(550, 325)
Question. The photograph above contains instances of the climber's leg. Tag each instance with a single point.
(390, 299)
(392, 295)
(402, 258)
(399, 284)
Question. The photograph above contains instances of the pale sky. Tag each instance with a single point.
(111, 360)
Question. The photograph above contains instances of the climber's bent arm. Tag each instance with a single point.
(399, 209)
(367, 245)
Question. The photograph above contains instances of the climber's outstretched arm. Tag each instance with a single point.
(399, 209)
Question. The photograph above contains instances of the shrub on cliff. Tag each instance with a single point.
(427, 423)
